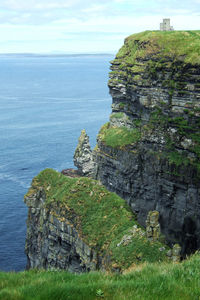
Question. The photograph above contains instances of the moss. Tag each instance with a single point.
(102, 218)
(115, 81)
(137, 123)
(188, 127)
(137, 69)
(178, 158)
(121, 105)
(137, 78)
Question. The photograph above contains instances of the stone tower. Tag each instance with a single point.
(165, 25)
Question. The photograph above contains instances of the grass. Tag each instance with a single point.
(118, 115)
(118, 136)
(155, 52)
(148, 282)
(102, 218)
(183, 45)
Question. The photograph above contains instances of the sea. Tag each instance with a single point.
(45, 102)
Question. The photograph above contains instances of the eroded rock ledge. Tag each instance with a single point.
(76, 224)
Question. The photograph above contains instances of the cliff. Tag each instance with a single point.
(76, 224)
(149, 151)
(148, 154)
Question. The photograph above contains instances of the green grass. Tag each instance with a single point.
(149, 282)
(118, 115)
(183, 45)
(102, 218)
(172, 51)
(118, 136)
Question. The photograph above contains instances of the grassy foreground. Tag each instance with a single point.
(148, 282)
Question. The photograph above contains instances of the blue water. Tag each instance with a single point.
(44, 104)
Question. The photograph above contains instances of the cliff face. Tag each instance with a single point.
(149, 154)
(52, 241)
(149, 151)
(77, 225)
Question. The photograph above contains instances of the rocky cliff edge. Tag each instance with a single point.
(76, 224)
(149, 151)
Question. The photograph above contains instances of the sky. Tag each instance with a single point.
(86, 26)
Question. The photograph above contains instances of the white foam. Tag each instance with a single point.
(15, 179)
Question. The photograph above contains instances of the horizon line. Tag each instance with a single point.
(55, 54)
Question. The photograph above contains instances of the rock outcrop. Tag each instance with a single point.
(83, 157)
(153, 226)
(149, 152)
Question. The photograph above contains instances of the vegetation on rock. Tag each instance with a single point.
(118, 136)
(102, 219)
(181, 45)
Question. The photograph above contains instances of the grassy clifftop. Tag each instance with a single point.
(102, 219)
(182, 45)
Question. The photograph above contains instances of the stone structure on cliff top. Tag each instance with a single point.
(165, 25)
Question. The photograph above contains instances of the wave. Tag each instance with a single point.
(46, 98)
(9, 177)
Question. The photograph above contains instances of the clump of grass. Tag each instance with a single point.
(118, 136)
(147, 282)
(102, 218)
(118, 115)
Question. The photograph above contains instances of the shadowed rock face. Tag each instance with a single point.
(52, 243)
(70, 172)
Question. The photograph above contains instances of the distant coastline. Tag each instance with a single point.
(54, 54)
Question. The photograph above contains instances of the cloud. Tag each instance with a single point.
(64, 24)
(32, 5)
(45, 11)
(95, 8)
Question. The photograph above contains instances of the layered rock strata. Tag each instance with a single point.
(149, 152)
(52, 242)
